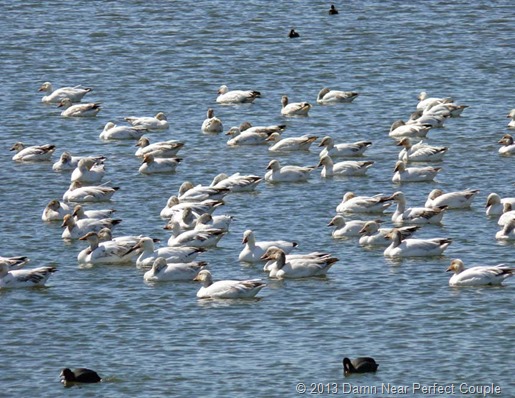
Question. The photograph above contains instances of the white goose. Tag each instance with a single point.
(212, 124)
(424, 101)
(153, 165)
(236, 96)
(302, 143)
(508, 214)
(327, 96)
(79, 213)
(35, 153)
(344, 168)
(452, 200)
(345, 229)
(13, 263)
(75, 229)
(426, 119)
(402, 173)
(294, 108)
(344, 149)
(247, 137)
(253, 249)
(236, 182)
(194, 238)
(268, 130)
(78, 193)
(78, 110)
(75, 94)
(24, 277)
(207, 221)
(113, 132)
(227, 289)
(55, 211)
(157, 122)
(363, 204)
(494, 204)
(88, 172)
(508, 147)
(174, 207)
(109, 252)
(478, 276)
(373, 235)
(400, 129)
(163, 149)
(278, 173)
(420, 152)
(106, 235)
(162, 271)
(67, 162)
(270, 264)
(511, 115)
(507, 232)
(198, 193)
(296, 267)
(415, 215)
(411, 247)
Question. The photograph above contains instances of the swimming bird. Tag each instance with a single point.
(344, 168)
(79, 375)
(508, 214)
(78, 193)
(345, 229)
(403, 173)
(420, 152)
(174, 207)
(333, 10)
(293, 34)
(75, 94)
(494, 204)
(373, 235)
(148, 253)
(236, 182)
(424, 101)
(363, 204)
(511, 115)
(507, 231)
(253, 249)
(55, 211)
(400, 129)
(78, 110)
(21, 278)
(157, 122)
(236, 96)
(198, 193)
(113, 132)
(106, 252)
(193, 238)
(212, 124)
(415, 215)
(227, 289)
(290, 173)
(359, 365)
(352, 149)
(327, 96)
(162, 271)
(35, 153)
(296, 267)
(88, 172)
(412, 247)
(13, 263)
(208, 221)
(508, 147)
(163, 149)
(426, 119)
(67, 162)
(247, 137)
(153, 165)
(270, 264)
(294, 108)
(75, 229)
(268, 130)
(478, 276)
(302, 143)
(452, 200)
(79, 213)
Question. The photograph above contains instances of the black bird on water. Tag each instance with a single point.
(79, 375)
(333, 10)
(293, 34)
(359, 365)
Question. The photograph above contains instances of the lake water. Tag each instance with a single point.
(159, 340)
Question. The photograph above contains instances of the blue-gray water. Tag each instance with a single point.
(141, 57)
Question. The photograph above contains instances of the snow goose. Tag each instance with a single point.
(236, 182)
(212, 124)
(373, 235)
(75, 94)
(147, 253)
(302, 143)
(13, 263)
(78, 110)
(294, 108)
(345, 229)
(153, 165)
(508, 147)
(108, 252)
(268, 130)
(208, 221)
(508, 214)
(445, 109)
(75, 229)
(420, 152)
(478, 276)
(424, 101)
(157, 122)
(67, 162)
(253, 249)
(327, 96)
(162, 271)
(415, 215)
(411, 247)
(174, 207)
(507, 232)
(424, 119)
(35, 153)
(88, 172)
(78, 193)
(247, 137)
(113, 132)
(198, 193)
(106, 235)
(163, 149)
(451, 200)
(400, 129)
(21, 278)
(194, 238)
(236, 96)
(363, 204)
(278, 173)
(511, 115)
(79, 213)
(402, 173)
(494, 204)
(344, 168)
(296, 267)
(269, 265)
(344, 149)
(79, 375)
(359, 365)
(227, 289)
(55, 211)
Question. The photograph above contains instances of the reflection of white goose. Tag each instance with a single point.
(162, 271)
(227, 289)
(296, 267)
(478, 276)
(411, 247)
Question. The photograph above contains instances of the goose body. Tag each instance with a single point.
(400, 129)
(507, 145)
(363, 204)
(344, 168)
(75, 229)
(507, 215)
(22, 278)
(302, 143)
(194, 238)
(420, 152)
(212, 124)
(412, 247)
(35, 153)
(113, 132)
(494, 204)
(198, 193)
(236, 182)
(451, 200)
(75, 94)
(294, 108)
(253, 249)
(227, 289)
(415, 215)
(78, 193)
(162, 271)
(78, 110)
(88, 172)
(79, 375)
(67, 162)
(157, 122)
(55, 211)
(290, 173)
(507, 231)
(359, 365)
(403, 173)
(147, 253)
(327, 96)
(344, 149)
(478, 276)
(153, 165)
(511, 115)
(345, 229)
(294, 268)
(373, 235)
(109, 252)
(226, 96)
(163, 149)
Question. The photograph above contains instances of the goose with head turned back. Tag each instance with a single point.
(253, 249)
(109, 252)
(400, 129)
(163, 149)
(197, 193)
(92, 193)
(154, 165)
(55, 211)
(420, 152)
(227, 289)
(75, 94)
(157, 122)
(507, 232)
(508, 214)
(236, 182)
(193, 238)
(478, 276)
(345, 229)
